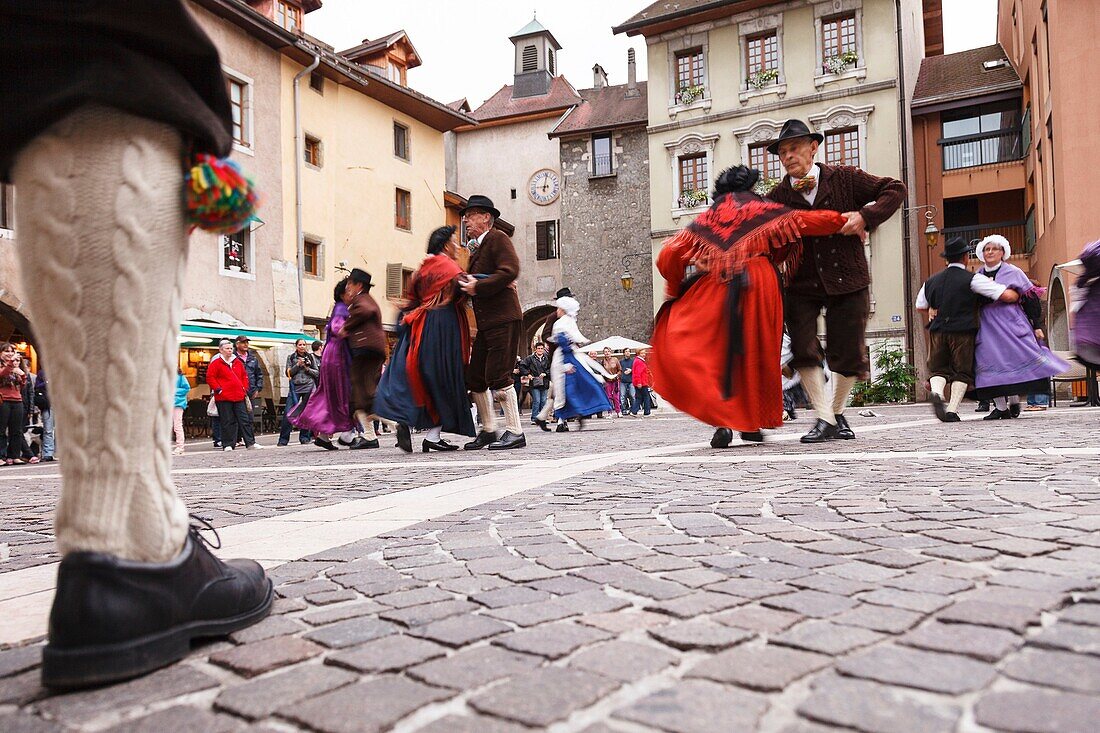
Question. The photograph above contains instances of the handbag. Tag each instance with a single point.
(212, 407)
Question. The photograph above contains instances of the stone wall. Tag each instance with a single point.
(602, 219)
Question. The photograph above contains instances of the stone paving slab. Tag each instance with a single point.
(777, 588)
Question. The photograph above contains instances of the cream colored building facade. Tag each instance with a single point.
(859, 108)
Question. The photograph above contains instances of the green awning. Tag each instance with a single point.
(195, 333)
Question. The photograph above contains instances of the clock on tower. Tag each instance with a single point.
(544, 187)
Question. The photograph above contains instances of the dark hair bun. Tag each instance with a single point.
(734, 179)
(439, 238)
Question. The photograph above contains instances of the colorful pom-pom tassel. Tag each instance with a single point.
(220, 198)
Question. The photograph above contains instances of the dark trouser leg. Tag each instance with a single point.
(216, 428)
(304, 436)
(228, 417)
(10, 420)
(845, 333)
(244, 421)
(285, 428)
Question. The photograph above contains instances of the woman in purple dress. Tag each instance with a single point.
(1086, 299)
(1009, 358)
(329, 408)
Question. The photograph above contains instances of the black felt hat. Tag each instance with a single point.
(362, 277)
(955, 247)
(792, 129)
(477, 201)
(564, 293)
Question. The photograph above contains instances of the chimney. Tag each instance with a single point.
(599, 77)
(631, 75)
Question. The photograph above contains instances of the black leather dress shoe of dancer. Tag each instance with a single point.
(483, 439)
(951, 417)
(326, 444)
(938, 407)
(843, 429)
(722, 438)
(563, 427)
(996, 414)
(1014, 409)
(508, 441)
(820, 432)
(753, 437)
(542, 425)
(404, 438)
(983, 406)
(114, 619)
(440, 445)
(360, 443)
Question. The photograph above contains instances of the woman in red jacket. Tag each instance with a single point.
(717, 338)
(639, 376)
(229, 386)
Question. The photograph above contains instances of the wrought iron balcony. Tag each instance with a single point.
(986, 148)
(1016, 232)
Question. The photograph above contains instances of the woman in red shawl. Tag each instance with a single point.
(716, 340)
(423, 387)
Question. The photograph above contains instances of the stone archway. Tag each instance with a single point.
(532, 326)
(1058, 315)
(14, 325)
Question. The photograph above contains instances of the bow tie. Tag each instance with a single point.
(803, 185)
(472, 245)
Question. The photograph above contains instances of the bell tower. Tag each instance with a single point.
(536, 60)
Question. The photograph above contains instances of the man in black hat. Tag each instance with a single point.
(367, 343)
(952, 298)
(491, 283)
(833, 274)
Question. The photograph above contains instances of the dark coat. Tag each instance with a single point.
(496, 299)
(837, 262)
(533, 366)
(148, 58)
(364, 325)
(547, 329)
(254, 371)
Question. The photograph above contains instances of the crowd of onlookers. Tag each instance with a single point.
(26, 420)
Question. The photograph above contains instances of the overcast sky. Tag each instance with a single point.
(466, 51)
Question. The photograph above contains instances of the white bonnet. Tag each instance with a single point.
(996, 239)
(570, 305)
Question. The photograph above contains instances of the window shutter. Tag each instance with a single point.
(530, 58)
(393, 280)
(541, 241)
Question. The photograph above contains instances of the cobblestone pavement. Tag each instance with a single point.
(871, 585)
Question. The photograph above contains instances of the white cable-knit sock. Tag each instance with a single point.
(938, 384)
(510, 404)
(486, 414)
(813, 381)
(102, 250)
(958, 391)
(842, 388)
(1000, 403)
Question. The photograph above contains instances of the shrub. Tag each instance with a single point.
(894, 382)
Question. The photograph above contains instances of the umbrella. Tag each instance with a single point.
(615, 343)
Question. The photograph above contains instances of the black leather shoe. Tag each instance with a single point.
(983, 406)
(951, 417)
(996, 414)
(360, 443)
(938, 407)
(1014, 410)
(563, 427)
(820, 432)
(542, 425)
(753, 437)
(440, 445)
(404, 438)
(326, 444)
(722, 438)
(483, 439)
(114, 619)
(843, 429)
(508, 441)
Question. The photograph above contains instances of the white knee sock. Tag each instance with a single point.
(510, 405)
(434, 433)
(366, 422)
(1000, 403)
(939, 384)
(102, 251)
(1014, 399)
(958, 391)
(842, 388)
(486, 413)
(813, 381)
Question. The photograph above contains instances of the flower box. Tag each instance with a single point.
(762, 78)
(690, 94)
(693, 198)
(840, 63)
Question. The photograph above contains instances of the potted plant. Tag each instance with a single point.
(689, 94)
(693, 197)
(762, 78)
(842, 62)
(765, 185)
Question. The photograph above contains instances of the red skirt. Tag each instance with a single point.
(690, 340)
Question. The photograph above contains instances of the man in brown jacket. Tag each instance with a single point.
(493, 269)
(833, 274)
(367, 342)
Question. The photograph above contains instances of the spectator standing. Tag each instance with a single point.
(42, 402)
(536, 368)
(12, 379)
(304, 371)
(626, 381)
(179, 405)
(255, 374)
(640, 378)
(228, 382)
(611, 386)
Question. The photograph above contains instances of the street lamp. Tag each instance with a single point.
(931, 231)
(626, 279)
